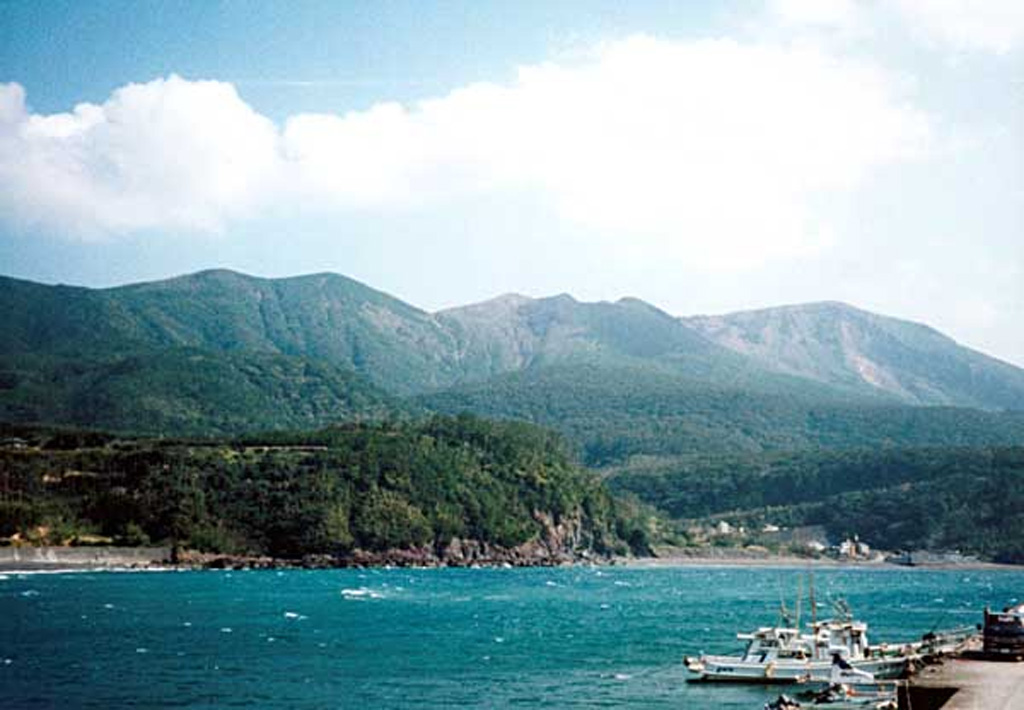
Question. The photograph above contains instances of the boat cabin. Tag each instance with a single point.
(774, 643)
(847, 639)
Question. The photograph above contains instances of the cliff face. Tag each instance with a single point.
(568, 540)
(564, 541)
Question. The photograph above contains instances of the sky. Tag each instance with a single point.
(704, 156)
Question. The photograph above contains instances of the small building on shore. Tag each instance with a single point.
(930, 557)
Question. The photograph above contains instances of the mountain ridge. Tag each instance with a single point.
(510, 297)
(67, 344)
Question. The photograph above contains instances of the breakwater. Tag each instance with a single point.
(31, 558)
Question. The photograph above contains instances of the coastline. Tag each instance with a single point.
(33, 560)
(699, 557)
(54, 560)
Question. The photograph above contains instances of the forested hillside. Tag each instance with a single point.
(371, 487)
(184, 391)
(943, 497)
(616, 413)
(324, 317)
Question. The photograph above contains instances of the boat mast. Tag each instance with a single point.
(814, 604)
(784, 619)
(799, 599)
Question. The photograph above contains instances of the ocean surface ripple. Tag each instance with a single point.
(434, 638)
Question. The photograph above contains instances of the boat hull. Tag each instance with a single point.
(734, 670)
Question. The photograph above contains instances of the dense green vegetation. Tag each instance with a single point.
(928, 498)
(616, 413)
(324, 317)
(184, 391)
(371, 486)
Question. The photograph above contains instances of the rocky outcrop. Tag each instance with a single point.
(457, 553)
(563, 541)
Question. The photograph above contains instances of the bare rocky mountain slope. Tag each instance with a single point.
(838, 344)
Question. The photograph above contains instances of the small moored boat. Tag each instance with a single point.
(849, 688)
(785, 655)
(841, 697)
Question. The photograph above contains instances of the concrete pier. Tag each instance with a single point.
(977, 685)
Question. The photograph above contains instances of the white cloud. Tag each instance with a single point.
(989, 25)
(168, 154)
(709, 151)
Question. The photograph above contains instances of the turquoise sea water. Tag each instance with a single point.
(433, 638)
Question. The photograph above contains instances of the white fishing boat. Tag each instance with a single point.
(786, 654)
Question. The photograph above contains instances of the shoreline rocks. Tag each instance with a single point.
(457, 553)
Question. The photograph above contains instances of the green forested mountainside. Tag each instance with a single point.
(514, 339)
(324, 317)
(952, 498)
(406, 350)
(337, 320)
(184, 391)
(615, 413)
(512, 333)
(225, 353)
(368, 486)
(620, 378)
(838, 344)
